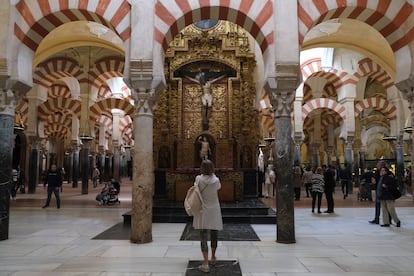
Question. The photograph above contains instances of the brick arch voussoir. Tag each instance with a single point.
(379, 104)
(252, 18)
(323, 103)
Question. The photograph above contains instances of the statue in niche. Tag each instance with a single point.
(207, 96)
(205, 150)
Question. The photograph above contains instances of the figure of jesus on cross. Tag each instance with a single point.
(207, 96)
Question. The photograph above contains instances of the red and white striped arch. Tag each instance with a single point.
(382, 105)
(369, 68)
(59, 104)
(57, 130)
(60, 118)
(329, 91)
(107, 104)
(53, 69)
(37, 18)
(58, 90)
(104, 92)
(311, 67)
(107, 68)
(393, 19)
(323, 103)
(256, 17)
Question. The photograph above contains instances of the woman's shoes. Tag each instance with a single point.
(385, 225)
(213, 261)
(204, 268)
(399, 224)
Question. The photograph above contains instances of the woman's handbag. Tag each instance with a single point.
(193, 202)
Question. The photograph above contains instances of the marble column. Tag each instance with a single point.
(329, 152)
(316, 160)
(6, 151)
(348, 160)
(33, 164)
(116, 160)
(348, 151)
(281, 91)
(75, 164)
(407, 89)
(108, 166)
(362, 158)
(143, 170)
(297, 153)
(86, 141)
(399, 156)
(101, 163)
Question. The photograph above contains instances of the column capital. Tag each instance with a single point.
(13, 92)
(34, 142)
(281, 88)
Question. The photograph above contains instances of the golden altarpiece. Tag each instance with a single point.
(207, 111)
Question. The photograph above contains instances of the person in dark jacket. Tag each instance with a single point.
(388, 182)
(375, 182)
(346, 179)
(329, 177)
(54, 182)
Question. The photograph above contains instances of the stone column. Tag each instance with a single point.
(316, 160)
(11, 93)
(143, 171)
(329, 152)
(297, 154)
(116, 160)
(407, 89)
(399, 156)
(75, 163)
(281, 91)
(362, 158)
(146, 86)
(348, 160)
(86, 141)
(33, 164)
(101, 163)
(108, 166)
(116, 114)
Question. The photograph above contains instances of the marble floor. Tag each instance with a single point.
(60, 242)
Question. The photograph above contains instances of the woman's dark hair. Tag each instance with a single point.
(207, 167)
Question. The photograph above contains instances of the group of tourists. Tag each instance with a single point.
(316, 182)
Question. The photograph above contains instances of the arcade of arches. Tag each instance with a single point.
(148, 88)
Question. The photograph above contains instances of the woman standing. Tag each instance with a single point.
(387, 200)
(307, 179)
(209, 219)
(318, 186)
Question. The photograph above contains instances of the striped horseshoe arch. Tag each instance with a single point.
(254, 16)
(323, 103)
(107, 104)
(388, 109)
(37, 18)
(369, 68)
(387, 17)
(58, 104)
(53, 69)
